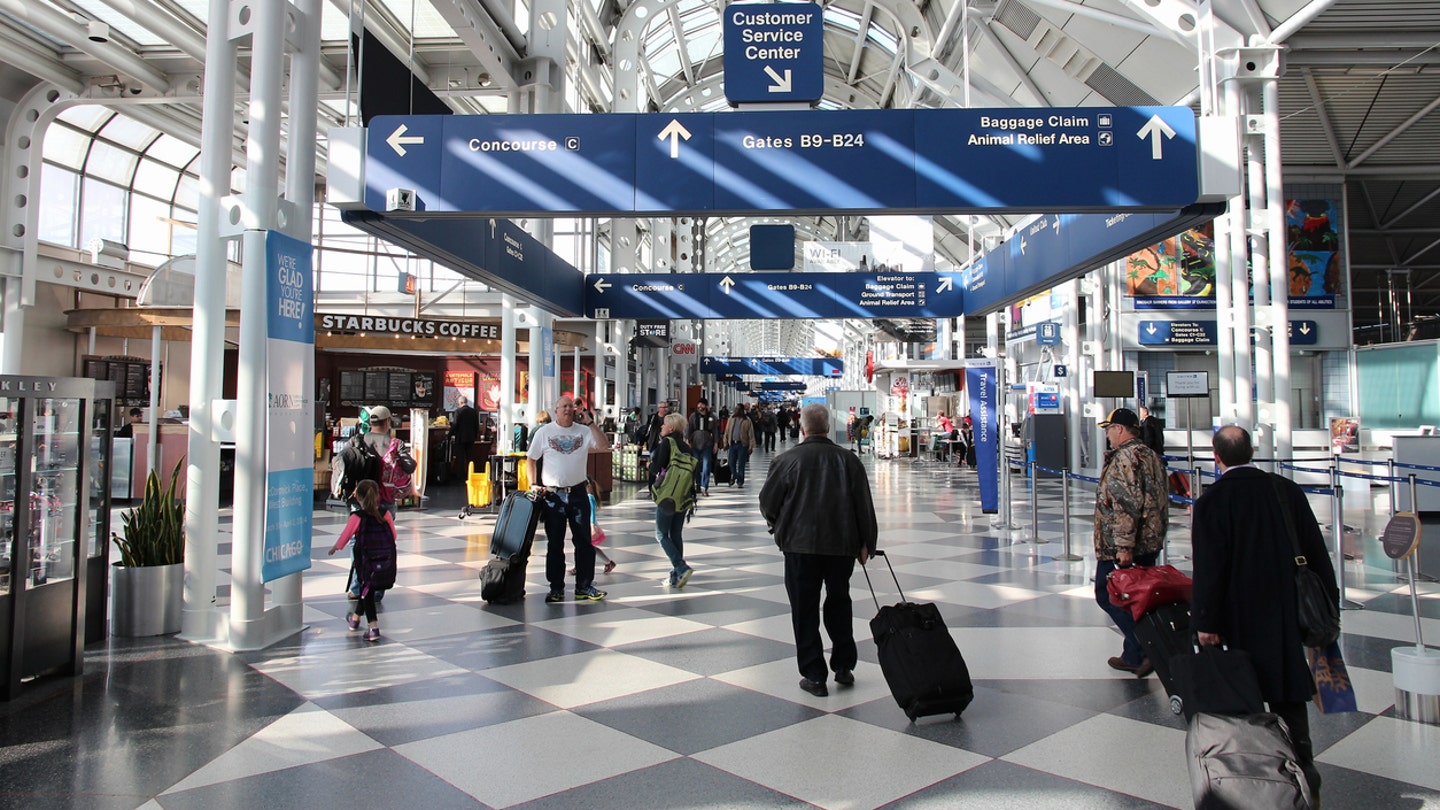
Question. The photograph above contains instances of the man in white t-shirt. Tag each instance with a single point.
(557, 465)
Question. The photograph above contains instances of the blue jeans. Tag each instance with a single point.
(669, 527)
(739, 455)
(557, 514)
(1133, 653)
(707, 460)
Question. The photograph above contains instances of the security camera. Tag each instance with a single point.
(98, 31)
(135, 89)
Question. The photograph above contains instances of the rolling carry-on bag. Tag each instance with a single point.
(1244, 761)
(515, 525)
(502, 580)
(1165, 633)
(722, 471)
(922, 666)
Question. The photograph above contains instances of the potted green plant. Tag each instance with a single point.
(149, 580)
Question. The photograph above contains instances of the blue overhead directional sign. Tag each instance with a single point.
(923, 160)
(1304, 333)
(894, 294)
(774, 52)
(1177, 333)
(1047, 333)
(773, 366)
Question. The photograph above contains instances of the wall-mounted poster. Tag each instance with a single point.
(1179, 273)
(1313, 246)
(459, 384)
(422, 388)
(1344, 435)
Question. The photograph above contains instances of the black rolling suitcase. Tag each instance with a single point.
(722, 471)
(502, 580)
(1165, 633)
(923, 667)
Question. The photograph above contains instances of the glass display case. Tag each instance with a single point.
(54, 522)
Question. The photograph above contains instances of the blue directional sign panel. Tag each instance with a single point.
(1177, 333)
(774, 295)
(1304, 333)
(927, 160)
(773, 366)
(1047, 333)
(1079, 155)
(774, 52)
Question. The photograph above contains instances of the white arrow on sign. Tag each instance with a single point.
(727, 283)
(1023, 243)
(1056, 226)
(674, 131)
(1304, 327)
(1153, 129)
(781, 85)
(1150, 329)
(398, 139)
(601, 285)
(946, 284)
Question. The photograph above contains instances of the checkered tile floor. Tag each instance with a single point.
(657, 698)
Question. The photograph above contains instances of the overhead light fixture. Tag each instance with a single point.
(97, 31)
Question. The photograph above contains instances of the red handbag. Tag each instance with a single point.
(1142, 588)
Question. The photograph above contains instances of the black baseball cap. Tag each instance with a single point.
(1123, 417)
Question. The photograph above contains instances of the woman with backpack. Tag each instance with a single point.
(672, 504)
(374, 532)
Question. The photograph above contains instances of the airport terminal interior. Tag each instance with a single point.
(1022, 212)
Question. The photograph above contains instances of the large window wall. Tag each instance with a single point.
(107, 176)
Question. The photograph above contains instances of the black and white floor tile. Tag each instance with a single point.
(685, 699)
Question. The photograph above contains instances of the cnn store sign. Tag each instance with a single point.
(684, 351)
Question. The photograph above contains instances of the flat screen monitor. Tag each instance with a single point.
(1114, 384)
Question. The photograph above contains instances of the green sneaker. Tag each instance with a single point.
(684, 577)
(554, 596)
(590, 594)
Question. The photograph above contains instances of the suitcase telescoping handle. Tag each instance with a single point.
(866, 571)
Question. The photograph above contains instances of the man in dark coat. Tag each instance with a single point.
(1245, 579)
(1152, 431)
(816, 500)
(464, 431)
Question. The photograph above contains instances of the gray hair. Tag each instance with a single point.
(815, 420)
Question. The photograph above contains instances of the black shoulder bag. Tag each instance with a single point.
(1319, 616)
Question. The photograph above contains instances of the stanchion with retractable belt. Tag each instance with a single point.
(1030, 467)
(1416, 670)
(1337, 494)
(1065, 511)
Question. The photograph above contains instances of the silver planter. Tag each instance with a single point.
(146, 601)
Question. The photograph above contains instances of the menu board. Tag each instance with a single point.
(391, 388)
(131, 376)
(352, 388)
(377, 387)
(399, 391)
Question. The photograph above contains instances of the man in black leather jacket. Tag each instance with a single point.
(816, 500)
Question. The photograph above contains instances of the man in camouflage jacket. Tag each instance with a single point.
(1131, 506)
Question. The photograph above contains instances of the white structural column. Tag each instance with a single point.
(24, 137)
(505, 420)
(1279, 271)
(257, 208)
(202, 622)
(297, 208)
(261, 209)
(1070, 355)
